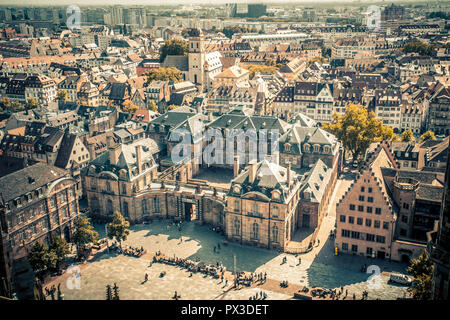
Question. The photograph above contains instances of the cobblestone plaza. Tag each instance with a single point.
(317, 268)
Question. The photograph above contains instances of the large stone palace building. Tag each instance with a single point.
(283, 197)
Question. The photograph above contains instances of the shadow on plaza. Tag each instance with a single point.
(330, 271)
(247, 258)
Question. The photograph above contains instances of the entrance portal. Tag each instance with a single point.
(306, 221)
(189, 211)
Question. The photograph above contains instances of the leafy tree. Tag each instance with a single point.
(37, 257)
(407, 136)
(172, 106)
(164, 74)
(31, 103)
(428, 135)
(173, 47)
(418, 47)
(254, 68)
(84, 233)
(41, 258)
(60, 247)
(357, 129)
(421, 265)
(152, 106)
(318, 59)
(118, 227)
(422, 271)
(61, 96)
(129, 107)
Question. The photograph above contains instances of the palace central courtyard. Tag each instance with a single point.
(318, 268)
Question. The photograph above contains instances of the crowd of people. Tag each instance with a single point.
(129, 251)
(245, 279)
(216, 271)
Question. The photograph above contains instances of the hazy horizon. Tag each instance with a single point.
(178, 2)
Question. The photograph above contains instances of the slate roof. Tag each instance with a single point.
(65, 150)
(28, 179)
(316, 181)
(181, 62)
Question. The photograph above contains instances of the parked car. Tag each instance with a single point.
(401, 278)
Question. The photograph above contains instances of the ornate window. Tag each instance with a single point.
(287, 147)
(237, 227)
(275, 212)
(306, 148)
(236, 205)
(275, 234)
(255, 231)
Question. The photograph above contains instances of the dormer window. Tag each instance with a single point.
(306, 148)
(287, 147)
(316, 148)
(236, 189)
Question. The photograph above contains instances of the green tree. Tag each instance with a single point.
(31, 103)
(84, 233)
(152, 106)
(407, 136)
(118, 228)
(264, 69)
(428, 135)
(357, 129)
(173, 47)
(41, 258)
(418, 47)
(164, 74)
(172, 106)
(60, 247)
(61, 96)
(422, 271)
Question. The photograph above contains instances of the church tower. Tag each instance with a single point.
(196, 57)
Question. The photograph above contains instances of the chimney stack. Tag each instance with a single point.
(114, 149)
(139, 159)
(236, 166)
(289, 175)
(252, 171)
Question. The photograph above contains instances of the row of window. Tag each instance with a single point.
(254, 211)
(369, 251)
(254, 232)
(368, 209)
(363, 236)
(359, 221)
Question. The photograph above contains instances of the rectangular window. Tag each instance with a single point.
(236, 205)
(354, 248)
(377, 210)
(345, 246)
(361, 198)
(386, 225)
(369, 209)
(377, 224)
(352, 207)
(381, 239)
(355, 234)
(362, 189)
(404, 218)
(369, 199)
(345, 233)
(405, 205)
(368, 222)
(369, 251)
(351, 220)
(342, 218)
(20, 218)
(369, 190)
(370, 237)
(361, 208)
(359, 221)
